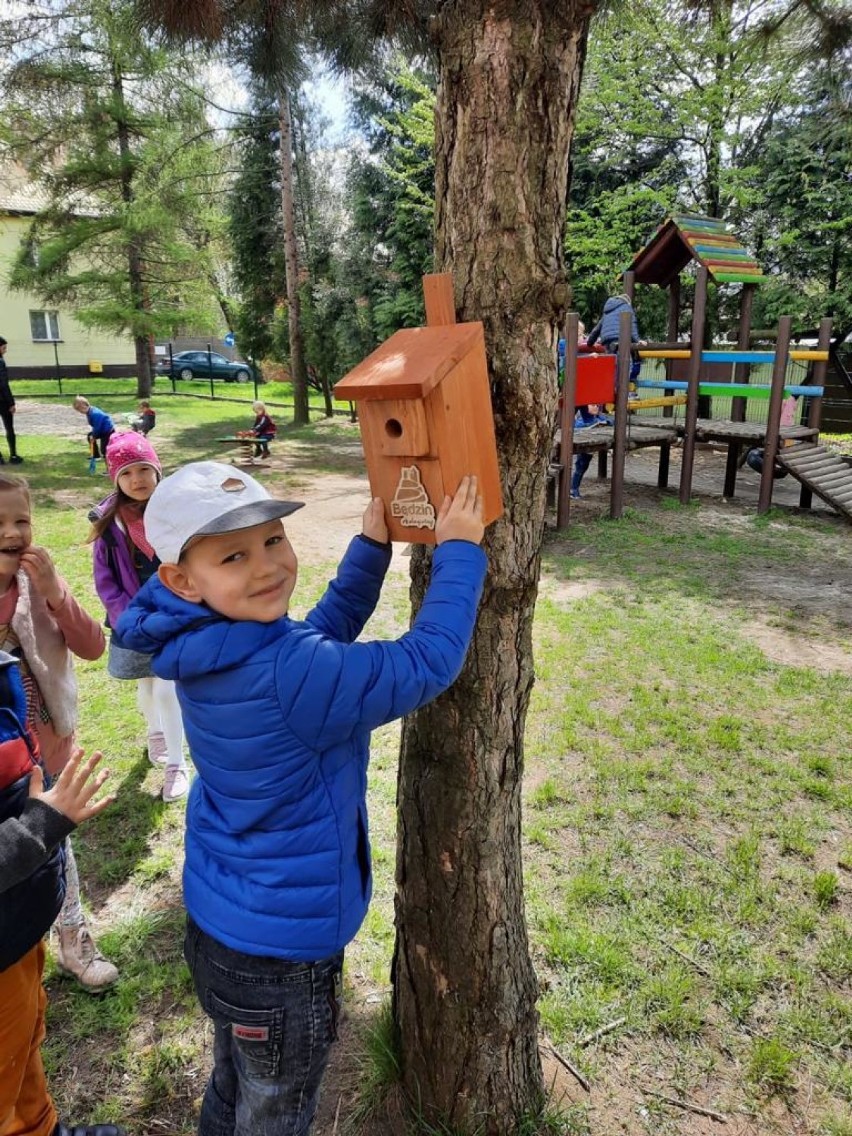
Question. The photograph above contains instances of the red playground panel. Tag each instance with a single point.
(595, 379)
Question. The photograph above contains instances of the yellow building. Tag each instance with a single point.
(38, 336)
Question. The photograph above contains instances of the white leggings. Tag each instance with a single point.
(158, 703)
(71, 914)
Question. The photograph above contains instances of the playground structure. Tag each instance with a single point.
(795, 448)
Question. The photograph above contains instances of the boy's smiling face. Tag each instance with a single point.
(244, 575)
(16, 532)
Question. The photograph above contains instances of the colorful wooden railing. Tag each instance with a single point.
(655, 403)
(734, 356)
(741, 390)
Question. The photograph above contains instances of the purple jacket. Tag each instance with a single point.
(116, 580)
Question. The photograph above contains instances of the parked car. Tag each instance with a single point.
(200, 365)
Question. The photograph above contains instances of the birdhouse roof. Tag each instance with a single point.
(691, 236)
(410, 364)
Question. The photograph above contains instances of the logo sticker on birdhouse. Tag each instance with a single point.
(410, 502)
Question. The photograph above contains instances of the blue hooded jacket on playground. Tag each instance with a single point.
(606, 329)
(100, 422)
(278, 719)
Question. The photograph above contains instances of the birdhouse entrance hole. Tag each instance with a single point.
(393, 428)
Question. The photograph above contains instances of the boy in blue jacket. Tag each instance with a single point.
(278, 714)
(101, 426)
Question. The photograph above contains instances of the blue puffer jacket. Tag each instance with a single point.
(100, 423)
(278, 718)
(606, 329)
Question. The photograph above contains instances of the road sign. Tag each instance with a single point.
(230, 339)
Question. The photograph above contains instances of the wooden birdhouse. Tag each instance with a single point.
(424, 407)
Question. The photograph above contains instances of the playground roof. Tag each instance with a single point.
(689, 236)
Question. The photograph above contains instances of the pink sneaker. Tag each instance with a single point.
(157, 752)
(176, 784)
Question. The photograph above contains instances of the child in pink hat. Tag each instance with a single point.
(123, 561)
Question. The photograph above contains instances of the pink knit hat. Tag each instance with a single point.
(130, 448)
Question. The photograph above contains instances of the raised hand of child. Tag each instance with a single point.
(72, 792)
(460, 517)
(374, 524)
(41, 570)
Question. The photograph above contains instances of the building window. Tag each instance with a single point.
(31, 255)
(44, 326)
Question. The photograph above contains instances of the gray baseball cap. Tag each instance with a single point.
(205, 498)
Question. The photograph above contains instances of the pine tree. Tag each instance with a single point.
(254, 227)
(124, 154)
(392, 192)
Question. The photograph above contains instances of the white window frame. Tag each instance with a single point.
(51, 325)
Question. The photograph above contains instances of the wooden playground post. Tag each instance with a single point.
(741, 370)
(773, 423)
(566, 421)
(629, 281)
(815, 404)
(668, 411)
(699, 309)
(672, 325)
(622, 381)
(741, 375)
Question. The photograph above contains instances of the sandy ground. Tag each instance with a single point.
(807, 591)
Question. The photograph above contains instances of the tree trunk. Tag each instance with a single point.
(135, 275)
(720, 23)
(144, 370)
(298, 371)
(464, 986)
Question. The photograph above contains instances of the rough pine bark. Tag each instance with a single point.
(464, 986)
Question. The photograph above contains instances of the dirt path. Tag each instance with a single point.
(812, 598)
(334, 505)
(49, 418)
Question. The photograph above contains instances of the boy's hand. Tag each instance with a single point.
(41, 570)
(460, 517)
(72, 791)
(375, 526)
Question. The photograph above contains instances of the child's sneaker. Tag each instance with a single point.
(157, 752)
(176, 784)
(78, 956)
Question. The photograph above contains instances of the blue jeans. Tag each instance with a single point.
(581, 464)
(274, 1022)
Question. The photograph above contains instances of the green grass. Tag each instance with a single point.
(680, 889)
(687, 832)
(105, 392)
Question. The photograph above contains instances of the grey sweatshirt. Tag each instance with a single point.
(28, 840)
